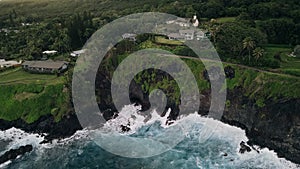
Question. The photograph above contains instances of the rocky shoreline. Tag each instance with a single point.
(15, 153)
(277, 130)
(275, 125)
(46, 124)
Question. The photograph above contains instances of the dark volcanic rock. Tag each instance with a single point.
(229, 72)
(14, 153)
(46, 124)
(125, 128)
(276, 125)
(244, 148)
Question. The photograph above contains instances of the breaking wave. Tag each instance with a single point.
(220, 150)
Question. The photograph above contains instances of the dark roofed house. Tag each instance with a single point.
(47, 66)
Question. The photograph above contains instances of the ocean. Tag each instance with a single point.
(219, 150)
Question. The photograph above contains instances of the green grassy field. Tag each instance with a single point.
(19, 76)
(288, 65)
(29, 96)
(164, 41)
(225, 19)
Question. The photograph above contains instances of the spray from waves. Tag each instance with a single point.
(132, 118)
(196, 127)
(220, 151)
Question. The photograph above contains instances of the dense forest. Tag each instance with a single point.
(29, 27)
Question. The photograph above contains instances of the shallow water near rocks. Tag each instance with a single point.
(220, 150)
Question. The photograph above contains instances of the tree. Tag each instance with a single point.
(245, 19)
(248, 44)
(258, 53)
(62, 42)
(229, 38)
(278, 31)
(213, 9)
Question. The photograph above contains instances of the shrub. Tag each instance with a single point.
(297, 51)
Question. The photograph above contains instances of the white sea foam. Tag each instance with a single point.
(221, 139)
(5, 164)
(204, 129)
(131, 117)
(19, 138)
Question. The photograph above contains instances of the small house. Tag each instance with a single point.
(47, 66)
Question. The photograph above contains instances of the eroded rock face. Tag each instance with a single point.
(14, 153)
(276, 125)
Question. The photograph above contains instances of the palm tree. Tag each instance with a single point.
(258, 53)
(248, 44)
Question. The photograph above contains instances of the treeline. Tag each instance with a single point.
(29, 41)
(30, 11)
(257, 23)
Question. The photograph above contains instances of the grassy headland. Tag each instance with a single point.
(29, 96)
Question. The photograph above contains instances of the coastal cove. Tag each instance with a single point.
(265, 123)
(168, 84)
(230, 152)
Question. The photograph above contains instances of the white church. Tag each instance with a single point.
(185, 22)
(187, 32)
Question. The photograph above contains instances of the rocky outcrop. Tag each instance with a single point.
(14, 153)
(46, 124)
(244, 148)
(276, 125)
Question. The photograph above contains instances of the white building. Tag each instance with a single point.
(188, 34)
(6, 64)
(183, 22)
(195, 21)
(50, 52)
(129, 36)
(77, 53)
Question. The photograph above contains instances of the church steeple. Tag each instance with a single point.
(195, 16)
(195, 21)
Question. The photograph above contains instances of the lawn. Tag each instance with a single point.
(19, 76)
(225, 19)
(29, 96)
(288, 65)
(164, 41)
